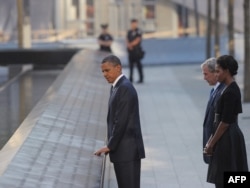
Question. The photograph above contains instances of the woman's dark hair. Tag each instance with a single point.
(227, 62)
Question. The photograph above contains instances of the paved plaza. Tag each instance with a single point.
(172, 106)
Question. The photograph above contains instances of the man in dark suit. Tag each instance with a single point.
(125, 143)
(208, 70)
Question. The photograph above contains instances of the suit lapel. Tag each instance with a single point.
(112, 95)
(115, 89)
(212, 98)
(111, 98)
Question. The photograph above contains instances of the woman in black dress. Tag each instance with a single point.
(227, 144)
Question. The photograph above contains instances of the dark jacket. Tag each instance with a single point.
(124, 130)
(209, 118)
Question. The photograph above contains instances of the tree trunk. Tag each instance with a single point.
(217, 29)
(20, 22)
(209, 29)
(197, 25)
(23, 23)
(231, 26)
(247, 55)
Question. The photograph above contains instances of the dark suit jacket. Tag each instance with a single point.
(209, 118)
(124, 130)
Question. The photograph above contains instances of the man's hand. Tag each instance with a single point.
(104, 150)
(130, 46)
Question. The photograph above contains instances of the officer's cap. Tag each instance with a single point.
(133, 20)
(104, 26)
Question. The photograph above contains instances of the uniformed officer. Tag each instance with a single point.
(105, 39)
(135, 52)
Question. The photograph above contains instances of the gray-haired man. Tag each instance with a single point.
(208, 71)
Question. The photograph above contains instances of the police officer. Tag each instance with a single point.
(135, 52)
(105, 39)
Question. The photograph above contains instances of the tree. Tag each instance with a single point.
(197, 25)
(20, 22)
(231, 26)
(247, 49)
(217, 29)
(23, 23)
(209, 29)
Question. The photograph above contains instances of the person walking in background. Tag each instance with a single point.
(135, 51)
(125, 144)
(105, 39)
(227, 144)
(208, 71)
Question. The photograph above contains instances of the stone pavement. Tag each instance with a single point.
(172, 106)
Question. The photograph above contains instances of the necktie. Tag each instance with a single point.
(210, 100)
(211, 92)
(111, 93)
(111, 90)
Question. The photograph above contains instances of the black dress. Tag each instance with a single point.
(230, 151)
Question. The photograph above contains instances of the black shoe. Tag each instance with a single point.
(139, 82)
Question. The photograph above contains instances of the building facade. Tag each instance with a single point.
(157, 18)
(59, 19)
